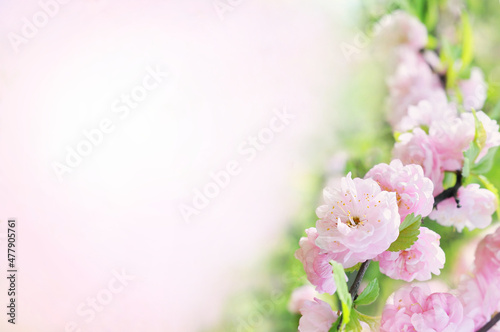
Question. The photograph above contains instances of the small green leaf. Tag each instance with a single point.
(432, 42)
(480, 135)
(467, 41)
(486, 163)
(408, 233)
(354, 324)
(369, 294)
(409, 220)
(475, 147)
(373, 322)
(342, 291)
(450, 178)
(432, 14)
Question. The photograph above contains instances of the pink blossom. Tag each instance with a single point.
(477, 207)
(413, 190)
(480, 298)
(487, 256)
(418, 262)
(300, 296)
(316, 263)
(424, 113)
(412, 82)
(317, 316)
(490, 126)
(473, 90)
(358, 222)
(400, 28)
(414, 308)
(451, 138)
(417, 148)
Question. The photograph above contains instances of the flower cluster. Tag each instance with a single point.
(442, 136)
(414, 308)
(480, 292)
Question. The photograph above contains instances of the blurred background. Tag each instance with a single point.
(163, 158)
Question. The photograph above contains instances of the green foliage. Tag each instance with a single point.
(467, 41)
(471, 154)
(408, 233)
(369, 294)
(342, 291)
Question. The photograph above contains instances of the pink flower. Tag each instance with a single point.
(424, 113)
(480, 298)
(414, 309)
(473, 90)
(399, 29)
(418, 262)
(490, 126)
(412, 82)
(317, 316)
(477, 207)
(417, 148)
(413, 190)
(300, 296)
(451, 137)
(487, 257)
(358, 222)
(316, 263)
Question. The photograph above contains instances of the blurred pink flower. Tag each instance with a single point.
(300, 296)
(480, 298)
(487, 256)
(414, 308)
(358, 222)
(317, 316)
(418, 262)
(417, 148)
(424, 113)
(401, 29)
(477, 207)
(473, 90)
(490, 126)
(316, 263)
(412, 82)
(413, 190)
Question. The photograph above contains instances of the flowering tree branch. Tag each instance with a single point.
(490, 324)
(357, 281)
(450, 192)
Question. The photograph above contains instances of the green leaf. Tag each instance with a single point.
(432, 14)
(373, 322)
(467, 41)
(480, 135)
(408, 233)
(342, 291)
(369, 294)
(486, 163)
(354, 324)
(466, 167)
(450, 178)
(432, 42)
(491, 187)
(475, 147)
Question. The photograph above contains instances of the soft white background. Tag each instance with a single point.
(120, 208)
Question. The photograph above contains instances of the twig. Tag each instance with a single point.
(357, 281)
(490, 324)
(450, 192)
(355, 285)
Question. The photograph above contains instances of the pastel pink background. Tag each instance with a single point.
(120, 208)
